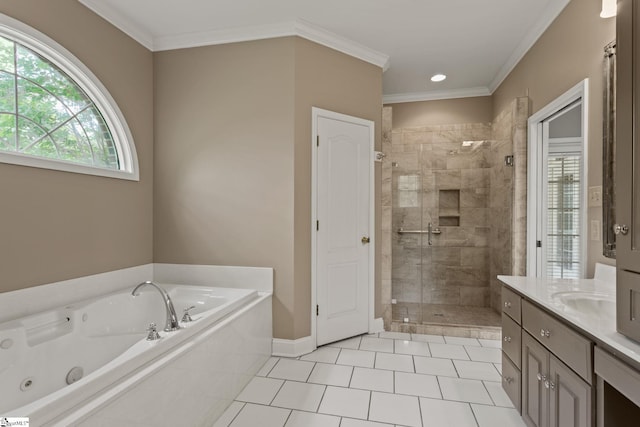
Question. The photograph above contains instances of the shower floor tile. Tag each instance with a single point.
(448, 314)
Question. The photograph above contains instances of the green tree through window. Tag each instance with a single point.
(44, 113)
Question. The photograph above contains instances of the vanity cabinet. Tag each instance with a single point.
(552, 394)
(511, 346)
(627, 168)
(547, 367)
(627, 135)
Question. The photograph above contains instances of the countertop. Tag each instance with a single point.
(600, 324)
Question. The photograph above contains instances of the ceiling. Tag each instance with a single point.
(476, 43)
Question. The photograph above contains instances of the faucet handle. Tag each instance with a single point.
(186, 317)
(153, 333)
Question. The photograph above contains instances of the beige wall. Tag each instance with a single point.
(233, 156)
(59, 225)
(570, 50)
(224, 152)
(333, 81)
(442, 112)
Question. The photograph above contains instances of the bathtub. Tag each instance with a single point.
(80, 363)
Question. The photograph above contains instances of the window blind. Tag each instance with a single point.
(564, 218)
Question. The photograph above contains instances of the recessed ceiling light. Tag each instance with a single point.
(438, 77)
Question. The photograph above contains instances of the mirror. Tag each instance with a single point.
(609, 152)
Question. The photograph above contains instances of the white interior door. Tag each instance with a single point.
(343, 235)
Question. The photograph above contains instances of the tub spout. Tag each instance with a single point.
(172, 319)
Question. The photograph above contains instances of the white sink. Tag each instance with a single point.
(587, 302)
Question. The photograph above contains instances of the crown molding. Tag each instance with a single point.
(334, 41)
(120, 21)
(298, 28)
(549, 15)
(225, 36)
(433, 95)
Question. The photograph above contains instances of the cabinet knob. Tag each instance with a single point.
(508, 380)
(507, 304)
(541, 377)
(621, 229)
(545, 333)
(507, 339)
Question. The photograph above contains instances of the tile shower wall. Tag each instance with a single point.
(508, 196)
(428, 176)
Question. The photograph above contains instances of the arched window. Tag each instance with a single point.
(54, 113)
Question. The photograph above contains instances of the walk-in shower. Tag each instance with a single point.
(448, 210)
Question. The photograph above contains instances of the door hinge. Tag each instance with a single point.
(317, 140)
(538, 243)
(317, 225)
(317, 310)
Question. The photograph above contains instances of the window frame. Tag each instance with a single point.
(43, 45)
(538, 151)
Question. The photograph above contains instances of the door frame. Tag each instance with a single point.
(317, 113)
(536, 152)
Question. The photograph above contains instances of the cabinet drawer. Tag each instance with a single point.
(511, 338)
(572, 348)
(511, 381)
(511, 304)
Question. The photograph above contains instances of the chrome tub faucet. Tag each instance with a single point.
(172, 319)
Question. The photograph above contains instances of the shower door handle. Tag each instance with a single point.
(431, 232)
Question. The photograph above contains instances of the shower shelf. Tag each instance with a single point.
(449, 220)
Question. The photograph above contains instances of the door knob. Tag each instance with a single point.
(621, 229)
(365, 240)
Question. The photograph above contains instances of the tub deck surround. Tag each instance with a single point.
(261, 279)
(119, 321)
(597, 321)
(29, 301)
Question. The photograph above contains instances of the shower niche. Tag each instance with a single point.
(449, 207)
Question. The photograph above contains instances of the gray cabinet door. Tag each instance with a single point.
(535, 368)
(628, 167)
(570, 403)
(627, 135)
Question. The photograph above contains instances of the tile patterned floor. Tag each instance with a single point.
(381, 380)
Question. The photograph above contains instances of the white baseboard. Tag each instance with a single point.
(292, 348)
(377, 325)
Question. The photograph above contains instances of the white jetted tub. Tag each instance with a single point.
(90, 362)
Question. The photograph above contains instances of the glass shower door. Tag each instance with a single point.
(407, 237)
